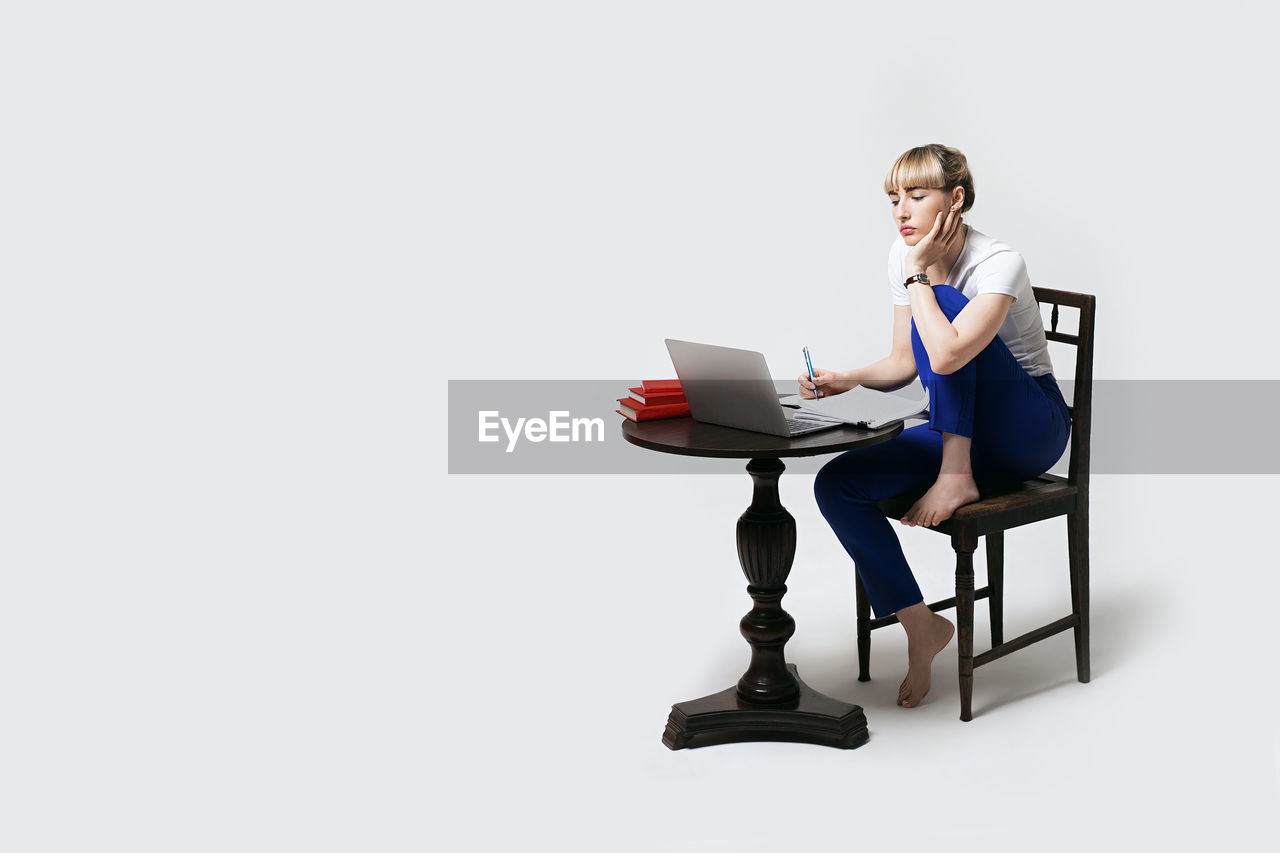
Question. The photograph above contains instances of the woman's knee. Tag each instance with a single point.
(828, 486)
(950, 300)
(836, 484)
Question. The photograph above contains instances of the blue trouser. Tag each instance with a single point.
(1019, 427)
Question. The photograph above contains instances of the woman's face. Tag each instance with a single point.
(915, 209)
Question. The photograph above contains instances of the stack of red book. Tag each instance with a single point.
(654, 399)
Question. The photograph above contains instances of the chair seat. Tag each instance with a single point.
(999, 508)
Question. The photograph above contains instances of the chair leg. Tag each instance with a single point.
(864, 631)
(995, 581)
(1078, 556)
(964, 619)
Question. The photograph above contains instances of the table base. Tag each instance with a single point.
(725, 718)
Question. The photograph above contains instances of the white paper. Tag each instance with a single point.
(862, 406)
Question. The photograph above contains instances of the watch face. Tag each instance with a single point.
(924, 279)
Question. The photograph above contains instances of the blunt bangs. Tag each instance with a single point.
(918, 167)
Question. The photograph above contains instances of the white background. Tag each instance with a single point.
(245, 245)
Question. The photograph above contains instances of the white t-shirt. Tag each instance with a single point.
(989, 266)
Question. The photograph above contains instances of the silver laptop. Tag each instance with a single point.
(732, 387)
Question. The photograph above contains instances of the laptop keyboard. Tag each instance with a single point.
(797, 425)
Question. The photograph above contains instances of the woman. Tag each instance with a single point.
(966, 321)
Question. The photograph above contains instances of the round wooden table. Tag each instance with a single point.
(769, 702)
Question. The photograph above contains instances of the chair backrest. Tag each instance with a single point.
(1082, 395)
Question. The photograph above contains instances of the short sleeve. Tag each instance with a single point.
(1003, 272)
(897, 263)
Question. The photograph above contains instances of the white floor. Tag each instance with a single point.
(568, 666)
(488, 665)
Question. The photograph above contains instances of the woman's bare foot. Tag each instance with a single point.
(927, 635)
(947, 494)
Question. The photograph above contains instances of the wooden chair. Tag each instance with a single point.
(1047, 496)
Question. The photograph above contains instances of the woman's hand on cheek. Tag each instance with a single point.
(935, 244)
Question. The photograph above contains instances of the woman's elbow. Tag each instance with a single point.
(944, 363)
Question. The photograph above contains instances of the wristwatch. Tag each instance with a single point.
(920, 277)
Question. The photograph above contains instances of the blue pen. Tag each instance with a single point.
(809, 364)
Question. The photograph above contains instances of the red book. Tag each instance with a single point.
(635, 411)
(662, 386)
(657, 398)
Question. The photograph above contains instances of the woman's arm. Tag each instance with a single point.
(952, 345)
(890, 373)
(898, 368)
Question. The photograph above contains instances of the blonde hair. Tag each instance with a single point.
(931, 166)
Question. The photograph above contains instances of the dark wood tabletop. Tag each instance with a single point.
(688, 437)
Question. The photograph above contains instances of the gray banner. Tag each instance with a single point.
(570, 426)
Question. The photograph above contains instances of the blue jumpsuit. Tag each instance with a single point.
(1019, 426)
